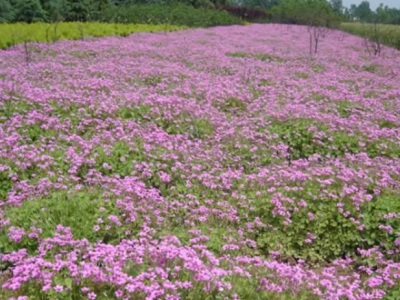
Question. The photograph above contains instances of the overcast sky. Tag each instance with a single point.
(374, 3)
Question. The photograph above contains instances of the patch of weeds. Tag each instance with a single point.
(333, 234)
(236, 54)
(140, 112)
(306, 137)
(185, 123)
(244, 153)
(79, 210)
(374, 213)
(258, 56)
(15, 106)
(152, 80)
(315, 96)
(33, 132)
(371, 94)
(5, 184)
(231, 105)
(387, 124)
(267, 57)
(372, 68)
(83, 54)
(384, 148)
(201, 128)
(301, 75)
(344, 108)
(118, 160)
(387, 87)
(331, 88)
(296, 134)
(318, 68)
(266, 82)
(223, 71)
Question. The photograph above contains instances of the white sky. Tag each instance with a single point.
(374, 3)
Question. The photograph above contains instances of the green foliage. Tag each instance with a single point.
(388, 34)
(302, 75)
(307, 12)
(6, 11)
(118, 161)
(78, 210)
(5, 184)
(139, 113)
(344, 108)
(196, 128)
(363, 12)
(231, 105)
(372, 68)
(12, 34)
(258, 56)
(29, 11)
(328, 235)
(176, 14)
(55, 9)
(243, 153)
(303, 142)
(78, 10)
(374, 213)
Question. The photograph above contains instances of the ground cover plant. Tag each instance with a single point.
(220, 163)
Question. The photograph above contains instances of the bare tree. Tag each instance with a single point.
(316, 34)
(373, 39)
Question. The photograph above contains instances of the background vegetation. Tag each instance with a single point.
(187, 13)
(13, 34)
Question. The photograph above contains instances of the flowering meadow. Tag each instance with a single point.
(220, 163)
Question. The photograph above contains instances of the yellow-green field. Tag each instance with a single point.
(388, 34)
(12, 34)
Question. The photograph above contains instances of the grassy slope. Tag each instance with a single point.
(389, 34)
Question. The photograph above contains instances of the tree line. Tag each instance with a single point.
(286, 11)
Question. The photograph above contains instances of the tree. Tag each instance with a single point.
(318, 15)
(55, 9)
(267, 4)
(29, 11)
(363, 12)
(78, 10)
(337, 6)
(306, 12)
(6, 11)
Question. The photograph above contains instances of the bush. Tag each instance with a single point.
(247, 13)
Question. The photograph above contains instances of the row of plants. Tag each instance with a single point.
(13, 34)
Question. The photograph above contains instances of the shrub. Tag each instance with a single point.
(247, 13)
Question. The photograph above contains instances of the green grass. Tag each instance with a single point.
(388, 34)
(12, 34)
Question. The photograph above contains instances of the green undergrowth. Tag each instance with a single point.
(319, 232)
(306, 137)
(79, 210)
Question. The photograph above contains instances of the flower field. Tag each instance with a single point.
(220, 163)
